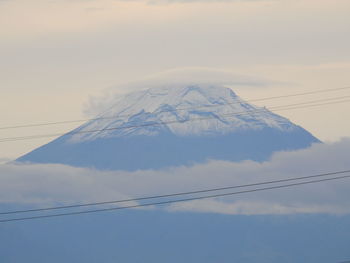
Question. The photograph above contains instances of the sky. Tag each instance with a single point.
(58, 56)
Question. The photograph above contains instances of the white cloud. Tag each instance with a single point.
(4, 160)
(50, 184)
(254, 207)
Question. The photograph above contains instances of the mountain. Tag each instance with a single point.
(171, 126)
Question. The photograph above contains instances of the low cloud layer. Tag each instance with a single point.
(4, 160)
(43, 185)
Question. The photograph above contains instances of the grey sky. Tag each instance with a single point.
(55, 54)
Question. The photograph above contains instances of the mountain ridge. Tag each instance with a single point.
(181, 104)
(172, 126)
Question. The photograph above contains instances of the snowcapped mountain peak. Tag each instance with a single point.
(174, 125)
(183, 110)
(185, 95)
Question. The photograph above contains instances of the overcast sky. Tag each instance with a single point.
(56, 54)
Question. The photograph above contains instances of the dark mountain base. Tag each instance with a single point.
(155, 152)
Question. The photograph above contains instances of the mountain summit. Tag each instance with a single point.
(169, 126)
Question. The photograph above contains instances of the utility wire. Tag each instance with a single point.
(301, 94)
(174, 194)
(170, 110)
(173, 201)
(277, 108)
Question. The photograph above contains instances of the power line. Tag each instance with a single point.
(174, 194)
(170, 110)
(277, 108)
(173, 201)
(301, 94)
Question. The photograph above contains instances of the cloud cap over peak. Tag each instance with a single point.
(174, 78)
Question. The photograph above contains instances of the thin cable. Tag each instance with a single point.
(170, 110)
(300, 94)
(277, 108)
(172, 201)
(174, 194)
(310, 106)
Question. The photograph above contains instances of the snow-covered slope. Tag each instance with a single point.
(168, 126)
(183, 111)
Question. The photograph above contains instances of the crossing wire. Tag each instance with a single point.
(175, 194)
(171, 110)
(172, 201)
(277, 108)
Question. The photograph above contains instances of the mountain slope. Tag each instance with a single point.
(172, 126)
